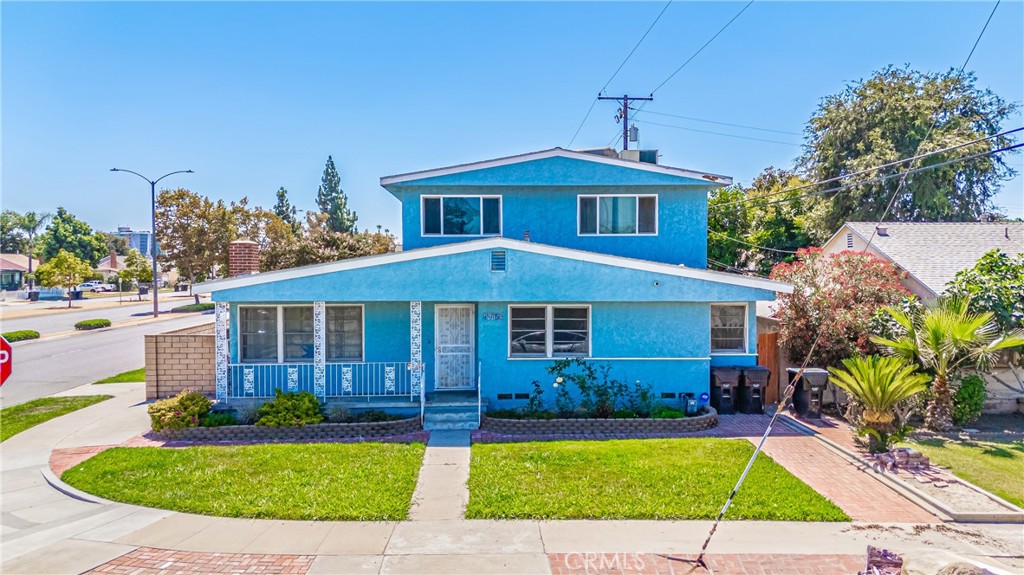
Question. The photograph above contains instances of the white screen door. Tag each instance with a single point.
(454, 346)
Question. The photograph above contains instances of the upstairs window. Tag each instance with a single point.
(728, 328)
(618, 215)
(461, 215)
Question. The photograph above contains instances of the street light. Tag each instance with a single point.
(152, 247)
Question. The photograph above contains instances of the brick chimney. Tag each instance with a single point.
(113, 261)
(243, 258)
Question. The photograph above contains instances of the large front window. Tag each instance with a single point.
(461, 215)
(618, 215)
(275, 334)
(549, 331)
(728, 328)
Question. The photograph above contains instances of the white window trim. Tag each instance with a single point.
(657, 218)
(746, 329)
(549, 323)
(280, 331)
(501, 215)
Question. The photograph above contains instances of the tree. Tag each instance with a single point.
(193, 232)
(115, 244)
(943, 337)
(879, 384)
(995, 284)
(728, 221)
(66, 232)
(321, 244)
(333, 202)
(63, 270)
(834, 298)
(32, 223)
(137, 269)
(257, 224)
(885, 118)
(12, 238)
(287, 212)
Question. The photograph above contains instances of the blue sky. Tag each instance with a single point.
(253, 96)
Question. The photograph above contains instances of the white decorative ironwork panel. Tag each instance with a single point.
(319, 348)
(222, 312)
(249, 380)
(389, 379)
(416, 345)
(293, 379)
(346, 379)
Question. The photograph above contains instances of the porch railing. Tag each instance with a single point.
(356, 380)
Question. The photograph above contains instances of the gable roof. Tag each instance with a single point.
(487, 244)
(934, 252)
(17, 262)
(713, 179)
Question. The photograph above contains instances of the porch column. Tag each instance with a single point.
(320, 349)
(416, 346)
(222, 317)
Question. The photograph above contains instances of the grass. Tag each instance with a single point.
(132, 376)
(20, 335)
(18, 418)
(92, 324)
(635, 479)
(325, 481)
(996, 466)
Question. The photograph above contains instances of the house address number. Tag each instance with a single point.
(494, 316)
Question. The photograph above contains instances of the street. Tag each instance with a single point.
(42, 368)
(57, 321)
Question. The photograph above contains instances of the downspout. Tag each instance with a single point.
(479, 394)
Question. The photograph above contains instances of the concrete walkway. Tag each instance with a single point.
(46, 531)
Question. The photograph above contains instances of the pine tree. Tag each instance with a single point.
(333, 202)
(286, 211)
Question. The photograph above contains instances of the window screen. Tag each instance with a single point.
(344, 333)
(257, 327)
(298, 333)
(728, 328)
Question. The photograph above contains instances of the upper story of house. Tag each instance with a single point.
(594, 201)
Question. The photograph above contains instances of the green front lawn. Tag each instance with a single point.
(18, 418)
(635, 479)
(132, 376)
(311, 481)
(996, 466)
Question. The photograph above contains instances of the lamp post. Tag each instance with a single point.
(152, 246)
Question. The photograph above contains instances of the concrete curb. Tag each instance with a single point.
(1014, 514)
(71, 492)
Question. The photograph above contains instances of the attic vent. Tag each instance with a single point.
(849, 240)
(498, 260)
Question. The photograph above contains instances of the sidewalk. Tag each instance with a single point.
(46, 531)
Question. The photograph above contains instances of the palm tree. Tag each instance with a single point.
(878, 384)
(32, 223)
(943, 337)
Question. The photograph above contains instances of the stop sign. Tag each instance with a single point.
(5, 360)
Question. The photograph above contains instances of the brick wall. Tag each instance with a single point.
(180, 359)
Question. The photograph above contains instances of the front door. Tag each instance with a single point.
(454, 346)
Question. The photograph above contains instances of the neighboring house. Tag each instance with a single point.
(507, 265)
(110, 266)
(13, 268)
(930, 253)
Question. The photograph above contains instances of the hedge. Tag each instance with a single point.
(92, 324)
(193, 307)
(20, 335)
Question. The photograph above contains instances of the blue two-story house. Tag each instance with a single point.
(507, 264)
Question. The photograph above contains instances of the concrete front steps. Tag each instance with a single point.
(450, 411)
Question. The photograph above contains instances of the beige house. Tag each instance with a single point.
(930, 253)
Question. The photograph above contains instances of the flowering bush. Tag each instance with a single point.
(834, 296)
(290, 410)
(187, 409)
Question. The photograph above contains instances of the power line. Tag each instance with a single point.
(616, 72)
(873, 169)
(720, 123)
(714, 133)
(701, 49)
(728, 237)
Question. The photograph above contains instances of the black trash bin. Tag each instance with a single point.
(33, 295)
(751, 391)
(724, 381)
(143, 290)
(75, 295)
(809, 391)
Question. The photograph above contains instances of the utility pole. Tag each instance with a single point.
(623, 114)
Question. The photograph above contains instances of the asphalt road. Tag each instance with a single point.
(42, 368)
(58, 321)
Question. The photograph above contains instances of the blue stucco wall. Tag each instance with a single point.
(541, 197)
(467, 277)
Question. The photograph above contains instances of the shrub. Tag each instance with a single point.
(662, 411)
(969, 400)
(193, 307)
(338, 414)
(290, 410)
(219, 419)
(374, 416)
(186, 409)
(641, 399)
(20, 335)
(624, 414)
(536, 402)
(92, 324)
(248, 414)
